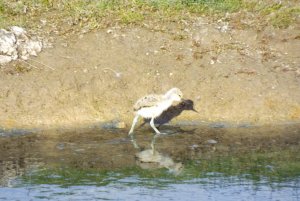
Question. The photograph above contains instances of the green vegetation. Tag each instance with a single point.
(99, 13)
(270, 165)
(284, 18)
(273, 165)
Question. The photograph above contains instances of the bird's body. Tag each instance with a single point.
(152, 106)
(172, 112)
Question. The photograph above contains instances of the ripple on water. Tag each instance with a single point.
(102, 166)
(195, 189)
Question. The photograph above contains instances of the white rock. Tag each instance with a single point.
(25, 57)
(15, 43)
(109, 31)
(34, 47)
(18, 31)
(7, 42)
(14, 57)
(5, 59)
(31, 48)
(43, 21)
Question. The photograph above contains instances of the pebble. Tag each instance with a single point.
(194, 146)
(60, 146)
(211, 141)
(120, 124)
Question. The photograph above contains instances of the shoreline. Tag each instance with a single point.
(122, 127)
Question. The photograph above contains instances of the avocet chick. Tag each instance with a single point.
(153, 105)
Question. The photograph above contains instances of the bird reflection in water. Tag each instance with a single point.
(147, 160)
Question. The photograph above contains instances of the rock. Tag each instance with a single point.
(33, 47)
(120, 124)
(114, 125)
(30, 48)
(211, 141)
(17, 31)
(60, 146)
(16, 44)
(7, 43)
(5, 59)
(24, 56)
(43, 21)
(194, 146)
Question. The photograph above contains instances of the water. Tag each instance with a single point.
(88, 164)
(197, 189)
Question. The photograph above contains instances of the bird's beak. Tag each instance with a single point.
(195, 110)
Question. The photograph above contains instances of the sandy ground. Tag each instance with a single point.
(232, 75)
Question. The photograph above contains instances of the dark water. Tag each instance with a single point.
(203, 163)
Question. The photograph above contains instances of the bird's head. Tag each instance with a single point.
(174, 94)
(187, 105)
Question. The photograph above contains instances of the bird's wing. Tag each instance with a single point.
(147, 101)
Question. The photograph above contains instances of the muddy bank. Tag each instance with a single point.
(233, 75)
(114, 149)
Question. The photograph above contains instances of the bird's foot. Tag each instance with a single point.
(133, 140)
(135, 145)
(161, 133)
(153, 147)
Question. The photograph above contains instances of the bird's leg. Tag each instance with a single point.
(155, 136)
(135, 120)
(135, 145)
(159, 125)
(153, 143)
(153, 126)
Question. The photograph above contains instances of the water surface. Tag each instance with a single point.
(215, 163)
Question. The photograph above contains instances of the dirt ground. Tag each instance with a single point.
(233, 75)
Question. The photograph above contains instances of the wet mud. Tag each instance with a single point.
(113, 149)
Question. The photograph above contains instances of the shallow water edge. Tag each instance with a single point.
(208, 161)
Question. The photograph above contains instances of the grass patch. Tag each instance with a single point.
(284, 18)
(273, 165)
(93, 13)
(130, 17)
(269, 166)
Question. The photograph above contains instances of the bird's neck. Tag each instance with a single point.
(165, 104)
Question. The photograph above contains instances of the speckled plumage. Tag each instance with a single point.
(151, 106)
(172, 112)
(147, 101)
